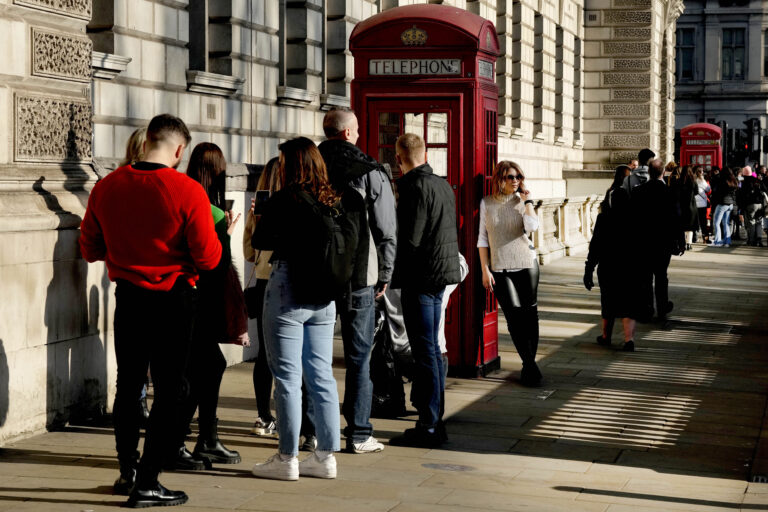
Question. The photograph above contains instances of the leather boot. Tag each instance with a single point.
(185, 461)
(127, 479)
(210, 448)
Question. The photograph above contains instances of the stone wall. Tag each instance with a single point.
(56, 359)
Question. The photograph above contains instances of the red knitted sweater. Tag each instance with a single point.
(150, 227)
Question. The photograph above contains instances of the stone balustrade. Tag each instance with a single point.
(565, 226)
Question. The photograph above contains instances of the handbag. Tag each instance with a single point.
(251, 297)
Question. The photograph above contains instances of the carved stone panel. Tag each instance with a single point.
(622, 157)
(634, 48)
(627, 79)
(59, 55)
(631, 94)
(632, 33)
(632, 64)
(626, 110)
(632, 3)
(625, 141)
(52, 129)
(627, 17)
(625, 125)
(74, 8)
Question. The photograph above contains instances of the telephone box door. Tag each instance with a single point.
(437, 121)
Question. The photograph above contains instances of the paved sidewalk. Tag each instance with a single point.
(673, 426)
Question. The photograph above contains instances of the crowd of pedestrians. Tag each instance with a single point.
(652, 212)
(326, 238)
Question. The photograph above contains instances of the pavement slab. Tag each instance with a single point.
(680, 424)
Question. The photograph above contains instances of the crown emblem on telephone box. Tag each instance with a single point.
(414, 37)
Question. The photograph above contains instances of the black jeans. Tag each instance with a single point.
(262, 377)
(517, 295)
(153, 330)
(654, 282)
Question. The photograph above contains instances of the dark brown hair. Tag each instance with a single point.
(302, 166)
(268, 179)
(208, 166)
(165, 125)
(500, 176)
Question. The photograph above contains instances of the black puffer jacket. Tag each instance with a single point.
(427, 243)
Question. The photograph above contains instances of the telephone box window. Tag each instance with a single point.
(438, 127)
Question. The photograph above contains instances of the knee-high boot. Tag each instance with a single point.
(209, 447)
(531, 375)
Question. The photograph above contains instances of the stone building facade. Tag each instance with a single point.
(722, 74)
(583, 85)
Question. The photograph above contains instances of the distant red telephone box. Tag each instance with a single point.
(701, 145)
(429, 70)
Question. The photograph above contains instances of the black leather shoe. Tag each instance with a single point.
(157, 496)
(209, 447)
(629, 346)
(417, 438)
(185, 461)
(606, 342)
(530, 375)
(125, 483)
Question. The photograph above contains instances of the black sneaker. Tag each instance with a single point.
(309, 444)
(417, 438)
(629, 346)
(156, 496)
(606, 342)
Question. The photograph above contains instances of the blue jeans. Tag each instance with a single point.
(421, 314)
(721, 222)
(299, 340)
(357, 323)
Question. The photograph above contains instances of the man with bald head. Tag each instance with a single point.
(348, 167)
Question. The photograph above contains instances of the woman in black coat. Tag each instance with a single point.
(685, 190)
(611, 250)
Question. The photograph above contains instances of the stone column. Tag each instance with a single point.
(627, 104)
(55, 360)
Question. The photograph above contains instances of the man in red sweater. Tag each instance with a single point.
(153, 227)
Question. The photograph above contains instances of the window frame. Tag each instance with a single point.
(733, 47)
(686, 49)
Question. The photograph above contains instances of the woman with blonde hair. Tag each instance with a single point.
(509, 263)
(134, 150)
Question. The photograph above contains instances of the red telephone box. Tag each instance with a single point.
(429, 69)
(701, 145)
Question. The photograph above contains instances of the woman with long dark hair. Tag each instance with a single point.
(609, 250)
(221, 319)
(685, 189)
(509, 263)
(299, 314)
(724, 199)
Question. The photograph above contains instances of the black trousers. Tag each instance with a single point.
(517, 295)
(152, 331)
(262, 377)
(654, 281)
(203, 382)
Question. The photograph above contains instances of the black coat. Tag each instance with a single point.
(427, 243)
(656, 219)
(685, 193)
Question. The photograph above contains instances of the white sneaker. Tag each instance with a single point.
(278, 469)
(314, 466)
(370, 445)
(264, 428)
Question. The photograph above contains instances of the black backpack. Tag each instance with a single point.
(329, 257)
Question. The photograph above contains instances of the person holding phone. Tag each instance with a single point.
(509, 265)
(221, 318)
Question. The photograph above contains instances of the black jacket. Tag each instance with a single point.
(427, 242)
(348, 166)
(288, 226)
(656, 217)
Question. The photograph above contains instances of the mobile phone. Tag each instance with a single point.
(262, 196)
(229, 204)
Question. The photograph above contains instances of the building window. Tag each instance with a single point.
(765, 53)
(538, 73)
(685, 51)
(733, 54)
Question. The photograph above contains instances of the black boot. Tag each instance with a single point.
(127, 479)
(155, 496)
(185, 461)
(210, 448)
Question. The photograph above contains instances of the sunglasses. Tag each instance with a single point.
(512, 177)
